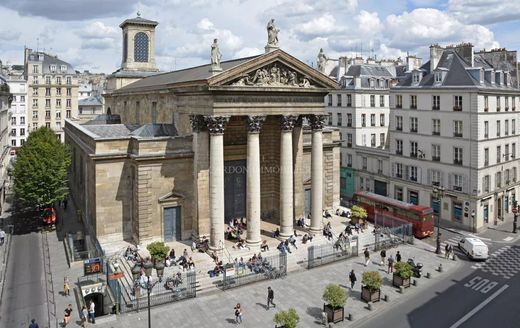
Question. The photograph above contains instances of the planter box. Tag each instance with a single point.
(334, 316)
(397, 281)
(370, 296)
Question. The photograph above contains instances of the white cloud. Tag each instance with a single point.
(322, 26)
(485, 11)
(248, 52)
(6, 35)
(369, 23)
(205, 25)
(98, 30)
(104, 43)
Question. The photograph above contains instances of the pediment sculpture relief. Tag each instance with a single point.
(273, 75)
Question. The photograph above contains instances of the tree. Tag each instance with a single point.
(40, 170)
(158, 251)
(335, 296)
(289, 318)
(358, 213)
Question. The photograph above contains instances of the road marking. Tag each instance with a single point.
(508, 238)
(480, 284)
(479, 307)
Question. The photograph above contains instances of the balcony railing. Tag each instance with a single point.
(457, 161)
(413, 106)
(436, 158)
(398, 152)
(486, 109)
(436, 107)
(399, 128)
(457, 134)
(457, 108)
(436, 133)
(413, 130)
(457, 188)
(399, 106)
(412, 154)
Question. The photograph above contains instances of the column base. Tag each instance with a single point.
(286, 235)
(315, 229)
(253, 243)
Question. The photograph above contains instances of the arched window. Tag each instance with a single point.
(125, 47)
(141, 47)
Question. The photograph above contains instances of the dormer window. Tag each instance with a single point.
(372, 83)
(438, 77)
(40, 57)
(416, 77)
(53, 68)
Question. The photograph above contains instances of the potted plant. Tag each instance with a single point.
(336, 297)
(286, 319)
(402, 274)
(359, 214)
(371, 290)
(158, 251)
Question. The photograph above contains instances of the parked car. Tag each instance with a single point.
(474, 248)
(49, 216)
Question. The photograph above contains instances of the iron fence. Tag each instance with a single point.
(271, 267)
(327, 253)
(391, 232)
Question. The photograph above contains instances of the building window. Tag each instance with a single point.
(506, 127)
(399, 123)
(486, 103)
(457, 155)
(373, 140)
(486, 156)
(13, 142)
(329, 100)
(48, 125)
(63, 68)
(379, 166)
(513, 150)
(53, 68)
(364, 161)
(22, 99)
(485, 183)
(35, 80)
(47, 114)
(436, 102)
(498, 103)
(513, 126)
(330, 118)
(22, 132)
(381, 140)
(372, 119)
(363, 120)
(436, 177)
(67, 114)
(399, 170)
(35, 126)
(35, 114)
(69, 80)
(363, 140)
(438, 77)
(349, 140)
(349, 100)
(58, 103)
(398, 193)
(35, 92)
(499, 154)
(498, 128)
(398, 101)
(69, 92)
(372, 101)
(47, 92)
(13, 120)
(436, 127)
(58, 80)
(486, 129)
(349, 120)
(22, 120)
(141, 47)
(58, 115)
(413, 102)
(458, 103)
(436, 153)
(339, 119)
(381, 119)
(13, 132)
(349, 160)
(412, 173)
(399, 147)
(47, 80)
(58, 91)
(47, 103)
(381, 101)
(457, 129)
(507, 103)
(457, 182)
(35, 69)
(498, 179)
(35, 103)
(506, 152)
(69, 103)
(413, 124)
(413, 148)
(513, 174)
(338, 100)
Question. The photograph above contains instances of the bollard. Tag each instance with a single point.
(414, 282)
(369, 306)
(440, 268)
(401, 289)
(350, 317)
(428, 275)
(386, 298)
(454, 257)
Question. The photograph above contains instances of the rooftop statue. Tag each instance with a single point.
(215, 54)
(272, 34)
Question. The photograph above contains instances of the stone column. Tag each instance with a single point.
(216, 126)
(317, 122)
(200, 221)
(254, 124)
(286, 176)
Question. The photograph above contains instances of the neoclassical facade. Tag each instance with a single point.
(199, 147)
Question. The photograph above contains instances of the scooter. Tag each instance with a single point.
(416, 268)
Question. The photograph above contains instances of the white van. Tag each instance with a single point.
(474, 248)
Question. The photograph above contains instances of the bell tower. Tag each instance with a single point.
(138, 44)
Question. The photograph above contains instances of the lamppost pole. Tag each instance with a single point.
(149, 289)
(439, 193)
(515, 214)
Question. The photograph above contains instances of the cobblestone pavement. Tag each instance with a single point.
(301, 290)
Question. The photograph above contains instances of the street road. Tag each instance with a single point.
(479, 294)
(25, 291)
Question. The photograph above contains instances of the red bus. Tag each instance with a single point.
(421, 217)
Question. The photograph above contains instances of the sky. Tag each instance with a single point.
(87, 34)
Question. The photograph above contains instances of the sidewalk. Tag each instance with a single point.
(5, 225)
(301, 290)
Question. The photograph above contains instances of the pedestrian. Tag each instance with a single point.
(66, 315)
(390, 264)
(270, 297)
(450, 252)
(2, 237)
(352, 278)
(92, 311)
(84, 316)
(238, 313)
(383, 256)
(367, 256)
(33, 324)
(398, 257)
(446, 251)
(66, 286)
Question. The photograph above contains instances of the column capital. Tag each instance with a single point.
(255, 123)
(317, 122)
(288, 122)
(216, 124)
(197, 123)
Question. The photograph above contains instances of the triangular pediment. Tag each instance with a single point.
(276, 69)
(172, 196)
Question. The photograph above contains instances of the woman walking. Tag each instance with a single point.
(238, 314)
(84, 316)
(66, 286)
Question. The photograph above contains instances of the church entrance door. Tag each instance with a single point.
(235, 175)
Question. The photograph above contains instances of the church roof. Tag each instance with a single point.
(138, 21)
(198, 73)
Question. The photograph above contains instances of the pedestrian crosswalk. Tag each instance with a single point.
(504, 262)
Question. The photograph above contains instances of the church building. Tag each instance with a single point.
(181, 154)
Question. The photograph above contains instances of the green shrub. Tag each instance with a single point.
(358, 213)
(158, 251)
(335, 296)
(289, 318)
(372, 280)
(403, 270)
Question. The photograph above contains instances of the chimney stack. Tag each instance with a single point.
(435, 56)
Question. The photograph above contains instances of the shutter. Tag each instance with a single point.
(419, 174)
(407, 172)
(441, 178)
(393, 169)
(429, 177)
(465, 184)
(450, 180)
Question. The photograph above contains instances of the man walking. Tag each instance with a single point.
(383, 256)
(270, 297)
(446, 251)
(92, 311)
(367, 256)
(390, 264)
(398, 257)
(2, 237)
(353, 279)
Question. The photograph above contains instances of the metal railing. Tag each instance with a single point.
(328, 253)
(271, 267)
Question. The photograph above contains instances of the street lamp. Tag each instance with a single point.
(148, 266)
(473, 221)
(439, 193)
(515, 214)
